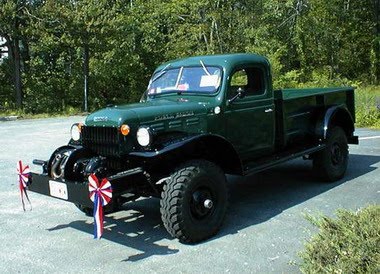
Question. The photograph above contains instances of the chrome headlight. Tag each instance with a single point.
(144, 136)
(76, 131)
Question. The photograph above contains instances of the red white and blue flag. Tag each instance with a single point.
(23, 173)
(100, 195)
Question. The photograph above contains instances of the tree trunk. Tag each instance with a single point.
(25, 55)
(17, 72)
(13, 46)
(376, 42)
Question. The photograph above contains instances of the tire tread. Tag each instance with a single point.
(172, 199)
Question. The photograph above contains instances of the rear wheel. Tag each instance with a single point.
(331, 163)
(194, 201)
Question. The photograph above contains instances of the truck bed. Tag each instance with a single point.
(299, 109)
(288, 94)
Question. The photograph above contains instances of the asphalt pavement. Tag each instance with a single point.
(264, 229)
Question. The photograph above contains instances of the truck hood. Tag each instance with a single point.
(147, 112)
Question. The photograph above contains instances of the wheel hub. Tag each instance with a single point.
(201, 204)
(336, 154)
(208, 203)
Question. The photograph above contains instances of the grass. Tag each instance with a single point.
(25, 115)
(368, 107)
(348, 244)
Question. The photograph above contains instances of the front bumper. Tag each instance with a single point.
(78, 192)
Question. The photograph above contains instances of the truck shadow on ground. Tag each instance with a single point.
(253, 200)
(260, 197)
(138, 227)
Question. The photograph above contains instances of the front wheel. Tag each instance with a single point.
(194, 201)
(331, 163)
(86, 210)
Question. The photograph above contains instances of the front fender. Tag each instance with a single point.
(210, 147)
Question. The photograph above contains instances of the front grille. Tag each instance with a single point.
(104, 141)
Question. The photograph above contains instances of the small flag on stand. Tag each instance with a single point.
(100, 195)
(23, 173)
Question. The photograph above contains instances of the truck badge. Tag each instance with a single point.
(100, 119)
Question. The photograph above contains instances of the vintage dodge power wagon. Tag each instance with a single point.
(200, 118)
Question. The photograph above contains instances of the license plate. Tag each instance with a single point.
(58, 189)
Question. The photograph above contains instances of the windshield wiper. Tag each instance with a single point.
(161, 73)
(204, 68)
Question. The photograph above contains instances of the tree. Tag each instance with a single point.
(54, 45)
(12, 21)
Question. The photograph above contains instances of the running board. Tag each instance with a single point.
(257, 166)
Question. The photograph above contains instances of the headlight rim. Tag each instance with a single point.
(78, 126)
(150, 134)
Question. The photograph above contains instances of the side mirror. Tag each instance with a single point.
(240, 93)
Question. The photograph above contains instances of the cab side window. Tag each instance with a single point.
(250, 79)
(238, 80)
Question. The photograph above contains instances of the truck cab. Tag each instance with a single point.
(249, 98)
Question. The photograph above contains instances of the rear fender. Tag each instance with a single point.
(336, 116)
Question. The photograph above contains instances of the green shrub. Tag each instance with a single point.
(348, 244)
(317, 78)
(368, 106)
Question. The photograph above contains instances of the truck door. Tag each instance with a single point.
(250, 121)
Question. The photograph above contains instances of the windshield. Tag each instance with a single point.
(202, 79)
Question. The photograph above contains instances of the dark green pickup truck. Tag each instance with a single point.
(199, 119)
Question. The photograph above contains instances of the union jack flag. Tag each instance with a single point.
(100, 195)
(23, 173)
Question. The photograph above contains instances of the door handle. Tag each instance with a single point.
(268, 110)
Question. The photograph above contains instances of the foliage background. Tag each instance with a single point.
(309, 43)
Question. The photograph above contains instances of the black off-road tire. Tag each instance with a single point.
(86, 210)
(330, 164)
(183, 209)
